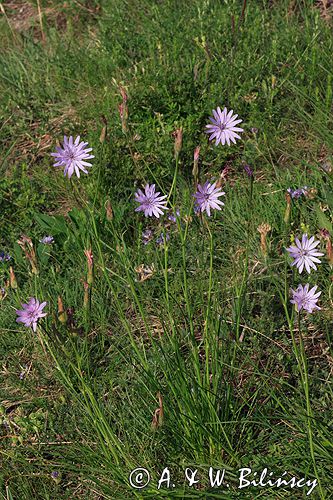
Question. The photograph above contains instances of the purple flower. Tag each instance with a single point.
(47, 240)
(304, 298)
(4, 257)
(297, 193)
(248, 170)
(161, 239)
(196, 209)
(150, 202)
(207, 197)
(73, 156)
(305, 253)
(147, 236)
(30, 313)
(173, 217)
(55, 474)
(223, 127)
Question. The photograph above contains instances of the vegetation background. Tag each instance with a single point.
(179, 355)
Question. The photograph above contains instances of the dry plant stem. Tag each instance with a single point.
(40, 17)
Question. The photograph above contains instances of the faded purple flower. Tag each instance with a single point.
(150, 202)
(161, 239)
(248, 170)
(297, 193)
(207, 197)
(254, 130)
(4, 257)
(147, 236)
(305, 253)
(196, 209)
(304, 298)
(173, 217)
(223, 127)
(30, 313)
(47, 240)
(73, 156)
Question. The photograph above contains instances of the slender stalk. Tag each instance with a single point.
(174, 181)
(309, 412)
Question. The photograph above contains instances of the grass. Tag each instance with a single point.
(187, 354)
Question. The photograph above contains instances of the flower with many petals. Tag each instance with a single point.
(73, 156)
(30, 313)
(207, 197)
(305, 253)
(223, 127)
(306, 299)
(150, 201)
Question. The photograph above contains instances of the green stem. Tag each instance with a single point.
(309, 413)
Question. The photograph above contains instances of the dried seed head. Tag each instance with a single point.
(109, 211)
(12, 278)
(195, 170)
(288, 209)
(263, 229)
(178, 136)
(158, 413)
(28, 249)
(90, 262)
(62, 316)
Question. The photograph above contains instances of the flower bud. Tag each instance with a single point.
(178, 135)
(62, 316)
(13, 282)
(29, 251)
(288, 209)
(90, 262)
(109, 211)
(195, 170)
(263, 229)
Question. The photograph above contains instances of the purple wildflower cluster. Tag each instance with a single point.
(206, 199)
(305, 256)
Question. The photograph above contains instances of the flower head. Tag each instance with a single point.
(305, 253)
(304, 298)
(47, 240)
(207, 197)
(30, 313)
(147, 236)
(297, 193)
(4, 257)
(150, 202)
(173, 217)
(161, 240)
(248, 170)
(73, 156)
(223, 127)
